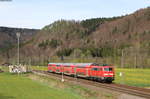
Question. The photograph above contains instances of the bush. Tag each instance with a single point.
(52, 43)
(64, 52)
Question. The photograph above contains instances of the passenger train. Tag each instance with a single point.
(93, 71)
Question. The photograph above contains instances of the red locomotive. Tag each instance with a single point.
(104, 72)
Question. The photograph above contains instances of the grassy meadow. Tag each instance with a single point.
(21, 87)
(133, 77)
(31, 86)
(38, 68)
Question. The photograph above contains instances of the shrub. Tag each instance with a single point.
(64, 52)
(52, 43)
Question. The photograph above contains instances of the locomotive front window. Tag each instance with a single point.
(107, 69)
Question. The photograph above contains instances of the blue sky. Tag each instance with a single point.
(38, 13)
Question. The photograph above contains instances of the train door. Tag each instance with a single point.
(49, 68)
(62, 68)
(87, 71)
(57, 68)
(53, 67)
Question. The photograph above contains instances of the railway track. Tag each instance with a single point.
(136, 91)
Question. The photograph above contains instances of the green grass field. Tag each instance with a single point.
(133, 77)
(21, 87)
(39, 68)
(30, 86)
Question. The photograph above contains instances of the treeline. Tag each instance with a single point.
(51, 43)
(92, 24)
(88, 52)
(122, 58)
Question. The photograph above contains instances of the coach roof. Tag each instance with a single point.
(74, 64)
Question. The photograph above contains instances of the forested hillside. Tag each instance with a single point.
(8, 39)
(108, 40)
(8, 36)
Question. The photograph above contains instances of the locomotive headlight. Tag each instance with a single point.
(108, 74)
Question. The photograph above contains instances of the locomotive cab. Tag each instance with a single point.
(108, 73)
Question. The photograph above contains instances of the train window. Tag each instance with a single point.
(107, 69)
(95, 69)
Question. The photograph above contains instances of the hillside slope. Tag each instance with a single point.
(8, 40)
(129, 30)
(8, 36)
(99, 37)
(119, 32)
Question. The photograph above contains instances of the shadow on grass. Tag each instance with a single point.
(6, 97)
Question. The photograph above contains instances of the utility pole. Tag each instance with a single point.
(18, 37)
(75, 72)
(122, 58)
(135, 61)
